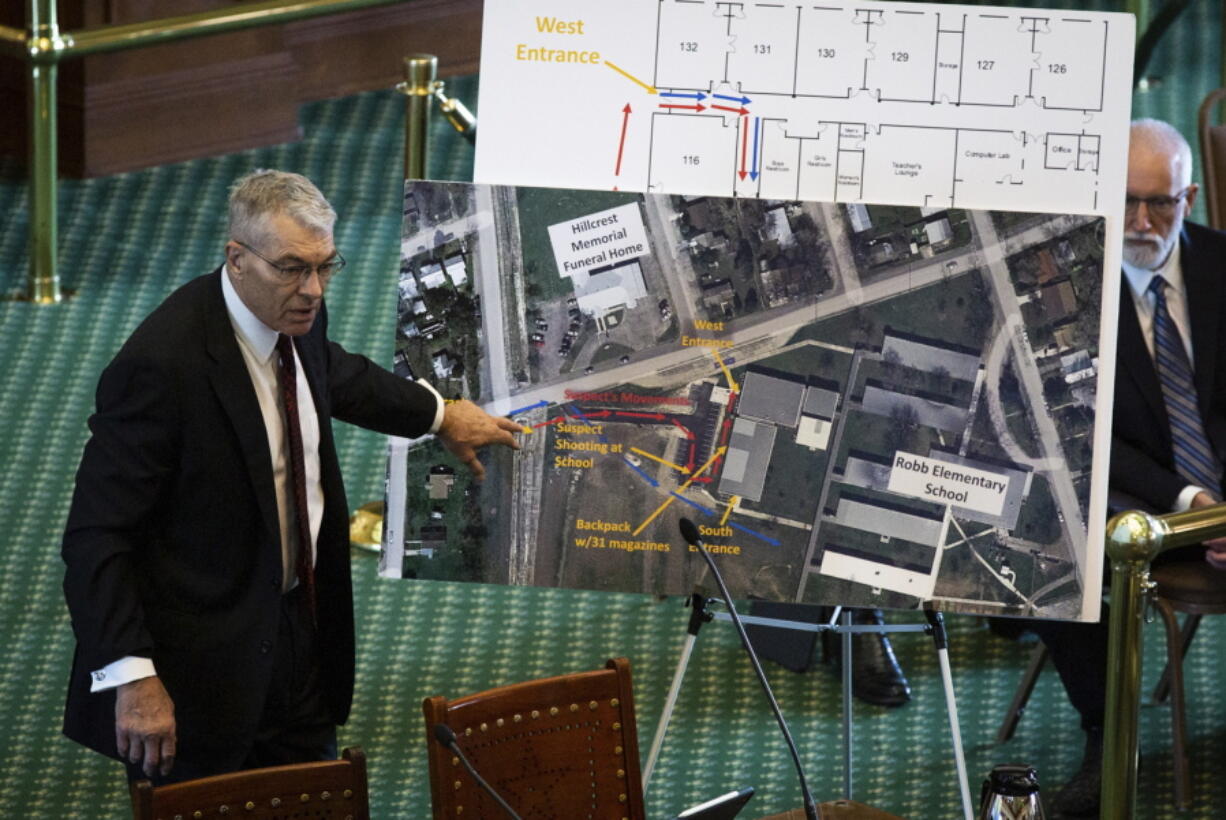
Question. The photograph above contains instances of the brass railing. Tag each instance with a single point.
(420, 87)
(1134, 539)
(44, 46)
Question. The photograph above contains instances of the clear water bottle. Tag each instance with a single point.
(1011, 792)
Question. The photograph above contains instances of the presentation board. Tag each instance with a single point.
(857, 404)
(924, 104)
(883, 401)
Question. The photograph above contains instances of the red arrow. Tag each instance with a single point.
(683, 429)
(698, 107)
(742, 111)
(744, 144)
(600, 414)
(547, 423)
(622, 143)
(653, 416)
(689, 463)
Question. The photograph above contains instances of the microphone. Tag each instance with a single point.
(690, 533)
(447, 739)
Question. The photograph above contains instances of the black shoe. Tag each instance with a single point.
(1080, 796)
(875, 674)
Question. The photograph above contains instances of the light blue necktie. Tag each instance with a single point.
(1194, 458)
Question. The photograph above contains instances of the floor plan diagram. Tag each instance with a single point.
(909, 103)
(856, 403)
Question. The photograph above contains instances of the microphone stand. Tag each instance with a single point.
(690, 533)
(446, 737)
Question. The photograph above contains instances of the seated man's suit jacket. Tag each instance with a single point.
(1142, 460)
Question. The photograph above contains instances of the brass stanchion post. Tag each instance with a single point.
(1133, 539)
(45, 45)
(420, 71)
(1140, 10)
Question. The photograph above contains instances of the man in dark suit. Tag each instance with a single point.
(1167, 444)
(207, 550)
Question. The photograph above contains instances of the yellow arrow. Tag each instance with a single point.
(727, 375)
(681, 489)
(677, 467)
(736, 499)
(632, 78)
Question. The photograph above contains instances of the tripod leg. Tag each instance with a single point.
(941, 639)
(847, 684)
(698, 617)
(954, 729)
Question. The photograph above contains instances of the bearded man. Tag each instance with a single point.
(1168, 429)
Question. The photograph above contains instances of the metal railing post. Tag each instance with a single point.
(420, 73)
(1140, 10)
(1134, 539)
(1132, 542)
(45, 45)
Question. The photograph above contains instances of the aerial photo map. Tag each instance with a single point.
(857, 404)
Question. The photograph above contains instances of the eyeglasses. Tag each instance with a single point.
(299, 272)
(1162, 207)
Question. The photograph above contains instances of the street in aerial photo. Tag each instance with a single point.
(857, 404)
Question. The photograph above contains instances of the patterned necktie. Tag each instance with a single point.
(288, 377)
(1194, 458)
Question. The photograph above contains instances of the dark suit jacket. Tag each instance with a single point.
(1142, 462)
(172, 544)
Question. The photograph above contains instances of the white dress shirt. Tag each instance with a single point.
(1176, 299)
(257, 342)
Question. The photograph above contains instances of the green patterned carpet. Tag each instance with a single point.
(127, 241)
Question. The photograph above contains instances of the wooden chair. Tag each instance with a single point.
(562, 747)
(1213, 158)
(1195, 589)
(324, 789)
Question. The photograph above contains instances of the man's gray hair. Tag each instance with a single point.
(1164, 138)
(261, 194)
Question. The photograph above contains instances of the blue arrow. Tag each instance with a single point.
(768, 540)
(648, 478)
(741, 100)
(754, 173)
(541, 403)
(694, 504)
(694, 95)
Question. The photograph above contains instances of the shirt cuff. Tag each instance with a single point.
(117, 673)
(1183, 501)
(438, 413)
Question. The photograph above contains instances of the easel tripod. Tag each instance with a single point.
(701, 614)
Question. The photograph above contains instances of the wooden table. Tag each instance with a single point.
(838, 810)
